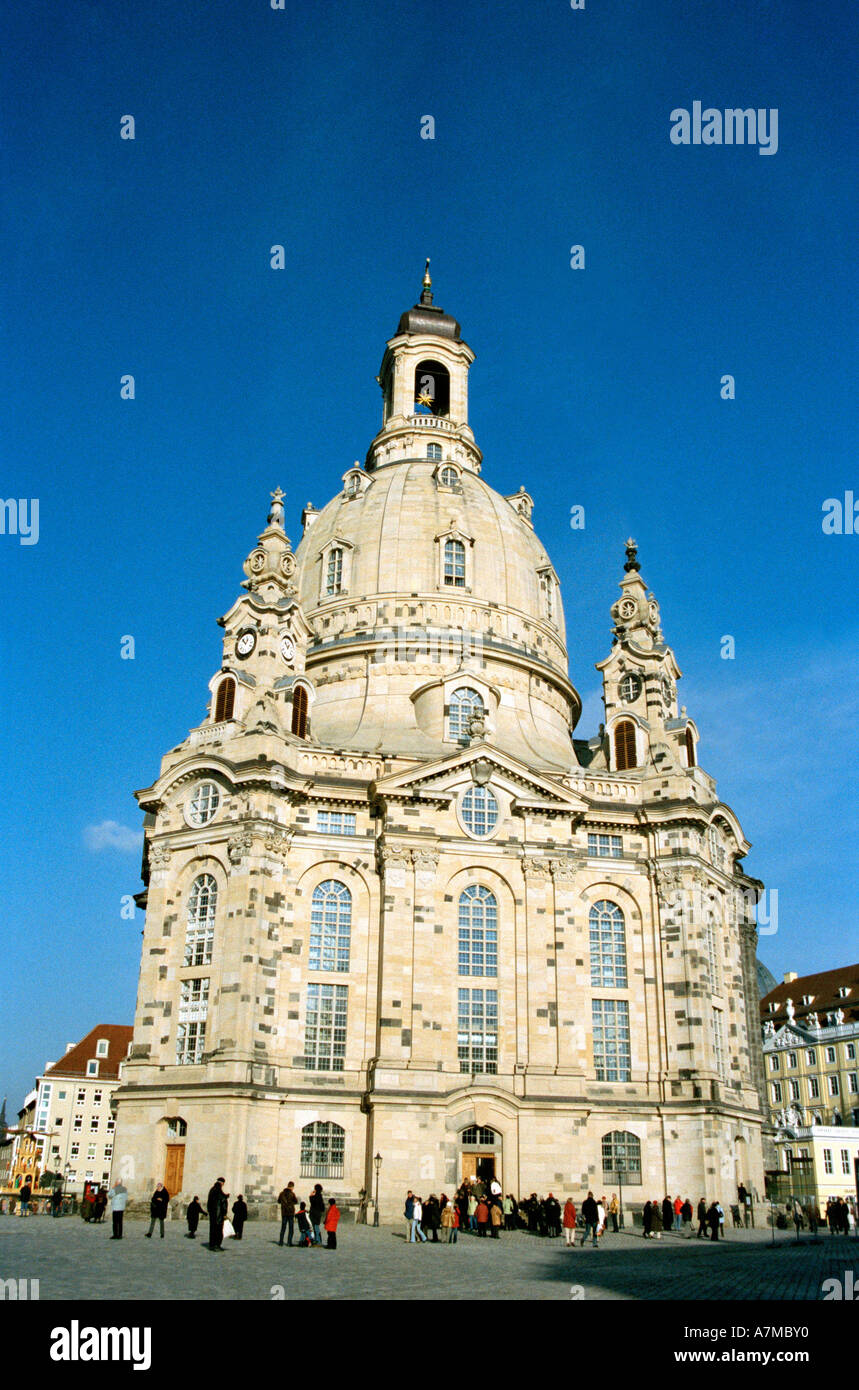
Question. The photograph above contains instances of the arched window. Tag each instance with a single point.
(225, 701)
(621, 1157)
(716, 846)
(432, 389)
(478, 1137)
(608, 946)
(448, 477)
(334, 571)
(330, 926)
(690, 748)
(323, 1147)
(478, 931)
(454, 563)
(200, 929)
(299, 711)
(624, 745)
(479, 811)
(465, 703)
(434, 451)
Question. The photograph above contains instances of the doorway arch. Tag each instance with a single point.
(480, 1154)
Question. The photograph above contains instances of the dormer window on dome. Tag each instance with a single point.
(448, 476)
(335, 568)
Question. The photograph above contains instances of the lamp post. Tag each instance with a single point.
(377, 1163)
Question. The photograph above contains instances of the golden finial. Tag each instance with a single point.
(427, 282)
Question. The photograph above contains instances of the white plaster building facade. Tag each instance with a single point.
(393, 906)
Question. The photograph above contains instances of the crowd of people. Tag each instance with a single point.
(478, 1207)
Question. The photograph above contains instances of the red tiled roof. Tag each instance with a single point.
(823, 987)
(74, 1062)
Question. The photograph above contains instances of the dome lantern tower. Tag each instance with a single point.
(424, 381)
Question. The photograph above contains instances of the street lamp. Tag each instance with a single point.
(377, 1163)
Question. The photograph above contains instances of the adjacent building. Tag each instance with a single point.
(395, 906)
(811, 1055)
(73, 1117)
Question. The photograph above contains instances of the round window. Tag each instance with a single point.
(630, 689)
(479, 811)
(203, 804)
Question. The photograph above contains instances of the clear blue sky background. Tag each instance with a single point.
(598, 387)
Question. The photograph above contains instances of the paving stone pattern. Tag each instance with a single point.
(75, 1261)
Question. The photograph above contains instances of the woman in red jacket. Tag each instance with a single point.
(569, 1222)
(332, 1216)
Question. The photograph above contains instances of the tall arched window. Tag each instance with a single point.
(323, 1147)
(454, 563)
(624, 745)
(465, 703)
(299, 711)
(225, 701)
(478, 931)
(200, 929)
(608, 946)
(690, 749)
(330, 926)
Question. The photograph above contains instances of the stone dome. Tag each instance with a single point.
(388, 628)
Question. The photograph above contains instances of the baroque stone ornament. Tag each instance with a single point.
(564, 869)
(159, 856)
(278, 841)
(534, 867)
(239, 847)
(425, 860)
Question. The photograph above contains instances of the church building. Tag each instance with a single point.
(402, 927)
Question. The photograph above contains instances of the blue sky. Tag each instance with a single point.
(598, 387)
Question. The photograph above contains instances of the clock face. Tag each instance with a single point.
(287, 648)
(246, 643)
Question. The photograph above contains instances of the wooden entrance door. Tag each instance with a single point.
(478, 1165)
(174, 1168)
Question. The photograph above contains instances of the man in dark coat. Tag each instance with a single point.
(287, 1204)
(667, 1214)
(240, 1215)
(590, 1213)
(158, 1209)
(647, 1219)
(216, 1206)
(713, 1220)
(193, 1214)
(702, 1219)
(553, 1215)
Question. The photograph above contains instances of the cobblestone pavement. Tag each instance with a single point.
(73, 1260)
